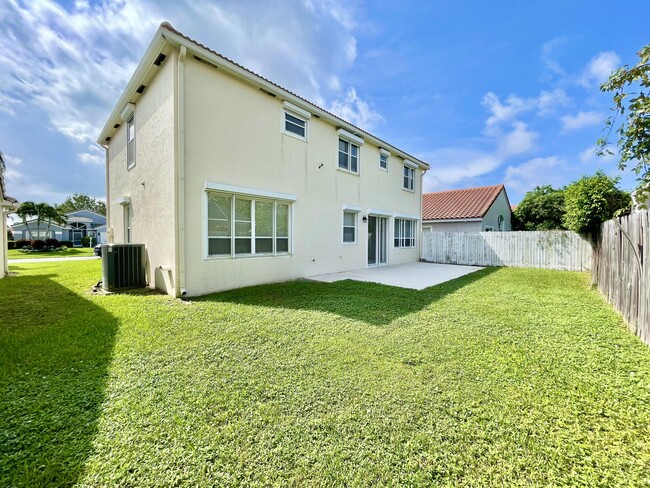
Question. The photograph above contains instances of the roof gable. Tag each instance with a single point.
(469, 203)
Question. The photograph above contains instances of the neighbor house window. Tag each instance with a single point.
(383, 161)
(348, 156)
(409, 178)
(246, 226)
(130, 142)
(405, 232)
(349, 227)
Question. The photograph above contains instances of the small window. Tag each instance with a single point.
(383, 161)
(127, 224)
(295, 125)
(349, 227)
(409, 178)
(130, 142)
(348, 156)
(405, 233)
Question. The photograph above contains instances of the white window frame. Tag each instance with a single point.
(400, 233)
(383, 156)
(294, 111)
(355, 213)
(128, 224)
(408, 177)
(351, 140)
(254, 195)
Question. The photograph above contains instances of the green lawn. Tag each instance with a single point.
(71, 252)
(504, 377)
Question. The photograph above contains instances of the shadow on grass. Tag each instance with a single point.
(372, 303)
(55, 349)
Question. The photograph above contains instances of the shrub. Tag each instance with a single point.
(10, 244)
(85, 241)
(20, 243)
(52, 242)
(66, 244)
(38, 244)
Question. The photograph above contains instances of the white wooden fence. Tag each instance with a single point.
(561, 250)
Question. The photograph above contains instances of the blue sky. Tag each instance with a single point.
(487, 92)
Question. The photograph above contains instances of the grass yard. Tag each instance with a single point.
(71, 252)
(503, 377)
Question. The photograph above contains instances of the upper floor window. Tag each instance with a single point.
(130, 142)
(295, 125)
(383, 161)
(348, 156)
(295, 121)
(409, 178)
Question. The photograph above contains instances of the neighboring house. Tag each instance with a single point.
(231, 180)
(79, 224)
(470, 210)
(7, 204)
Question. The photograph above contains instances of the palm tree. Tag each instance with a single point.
(27, 209)
(52, 214)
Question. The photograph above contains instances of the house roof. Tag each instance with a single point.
(469, 203)
(167, 34)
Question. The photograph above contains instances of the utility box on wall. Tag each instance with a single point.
(122, 266)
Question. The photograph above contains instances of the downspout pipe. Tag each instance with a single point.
(180, 181)
(424, 171)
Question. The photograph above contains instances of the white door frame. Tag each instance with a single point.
(378, 236)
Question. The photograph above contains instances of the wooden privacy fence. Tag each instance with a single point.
(621, 269)
(561, 250)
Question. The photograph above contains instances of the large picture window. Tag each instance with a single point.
(246, 226)
(405, 232)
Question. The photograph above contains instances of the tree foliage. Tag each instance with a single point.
(633, 104)
(541, 209)
(79, 201)
(43, 212)
(592, 200)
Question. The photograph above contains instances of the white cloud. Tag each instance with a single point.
(599, 69)
(581, 120)
(518, 141)
(536, 172)
(72, 63)
(546, 102)
(355, 110)
(589, 156)
(548, 56)
(451, 165)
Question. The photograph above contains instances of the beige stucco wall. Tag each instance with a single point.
(150, 183)
(499, 207)
(233, 135)
(459, 226)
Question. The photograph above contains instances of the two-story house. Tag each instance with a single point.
(231, 180)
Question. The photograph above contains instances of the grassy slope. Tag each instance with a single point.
(71, 252)
(514, 377)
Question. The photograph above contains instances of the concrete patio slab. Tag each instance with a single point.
(416, 276)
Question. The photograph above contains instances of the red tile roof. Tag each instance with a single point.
(469, 203)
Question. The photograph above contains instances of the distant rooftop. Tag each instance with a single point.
(469, 203)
